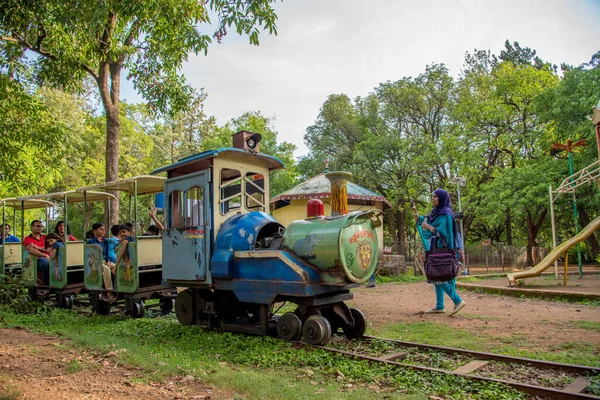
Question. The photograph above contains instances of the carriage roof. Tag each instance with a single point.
(25, 204)
(202, 160)
(146, 184)
(72, 196)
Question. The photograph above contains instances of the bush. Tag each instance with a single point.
(14, 295)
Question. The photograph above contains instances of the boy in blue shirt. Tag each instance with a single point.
(6, 236)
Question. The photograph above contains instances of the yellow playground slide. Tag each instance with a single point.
(555, 254)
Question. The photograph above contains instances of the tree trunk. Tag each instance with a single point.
(393, 229)
(109, 81)
(508, 228)
(533, 228)
(401, 223)
(584, 220)
(113, 127)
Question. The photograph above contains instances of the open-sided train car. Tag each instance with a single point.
(139, 276)
(66, 272)
(11, 254)
(237, 262)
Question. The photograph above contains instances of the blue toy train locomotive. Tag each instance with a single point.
(236, 262)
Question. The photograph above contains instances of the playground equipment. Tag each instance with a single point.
(589, 174)
(555, 254)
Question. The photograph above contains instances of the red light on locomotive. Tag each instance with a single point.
(315, 209)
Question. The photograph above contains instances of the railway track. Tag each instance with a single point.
(562, 381)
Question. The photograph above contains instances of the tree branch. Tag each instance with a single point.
(44, 53)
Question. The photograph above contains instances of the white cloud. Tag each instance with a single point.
(350, 46)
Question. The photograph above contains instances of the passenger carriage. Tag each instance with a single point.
(139, 278)
(66, 273)
(11, 254)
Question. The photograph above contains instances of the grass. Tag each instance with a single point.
(589, 325)
(399, 279)
(9, 393)
(479, 317)
(252, 367)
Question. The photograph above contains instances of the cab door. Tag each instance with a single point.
(186, 237)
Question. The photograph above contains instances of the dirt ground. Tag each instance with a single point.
(39, 367)
(543, 323)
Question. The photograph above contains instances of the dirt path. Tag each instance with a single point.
(38, 367)
(543, 323)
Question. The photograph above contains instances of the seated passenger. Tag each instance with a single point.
(113, 243)
(60, 231)
(154, 230)
(125, 231)
(54, 242)
(107, 266)
(6, 236)
(35, 244)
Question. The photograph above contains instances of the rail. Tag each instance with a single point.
(478, 361)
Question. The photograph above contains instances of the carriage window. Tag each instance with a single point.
(231, 190)
(255, 191)
(176, 207)
(193, 212)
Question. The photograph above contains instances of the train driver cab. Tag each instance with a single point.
(202, 192)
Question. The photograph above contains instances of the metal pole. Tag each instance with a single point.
(84, 217)
(598, 139)
(129, 219)
(15, 220)
(565, 278)
(66, 231)
(22, 221)
(135, 210)
(553, 230)
(575, 216)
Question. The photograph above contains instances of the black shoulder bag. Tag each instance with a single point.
(440, 262)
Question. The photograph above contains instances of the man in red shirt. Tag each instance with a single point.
(34, 244)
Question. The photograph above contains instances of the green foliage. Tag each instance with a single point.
(32, 140)
(151, 40)
(14, 297)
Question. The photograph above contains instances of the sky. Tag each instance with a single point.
(326, 47)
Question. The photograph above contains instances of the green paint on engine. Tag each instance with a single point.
(345, 246)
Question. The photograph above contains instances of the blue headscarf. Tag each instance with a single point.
(443, 207)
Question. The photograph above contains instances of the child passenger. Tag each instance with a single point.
(54, 242)
(126, 234)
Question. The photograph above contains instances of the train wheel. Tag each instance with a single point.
(102, 307)
(316, 330)
(289, 327)
(166, 306)
(66, 301)
(184, 307)
(138, 310)
(360, 325)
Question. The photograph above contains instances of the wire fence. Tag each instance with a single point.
(490, 258)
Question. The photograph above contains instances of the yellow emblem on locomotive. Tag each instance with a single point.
(364, 253)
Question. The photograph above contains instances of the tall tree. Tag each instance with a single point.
(150, 39)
